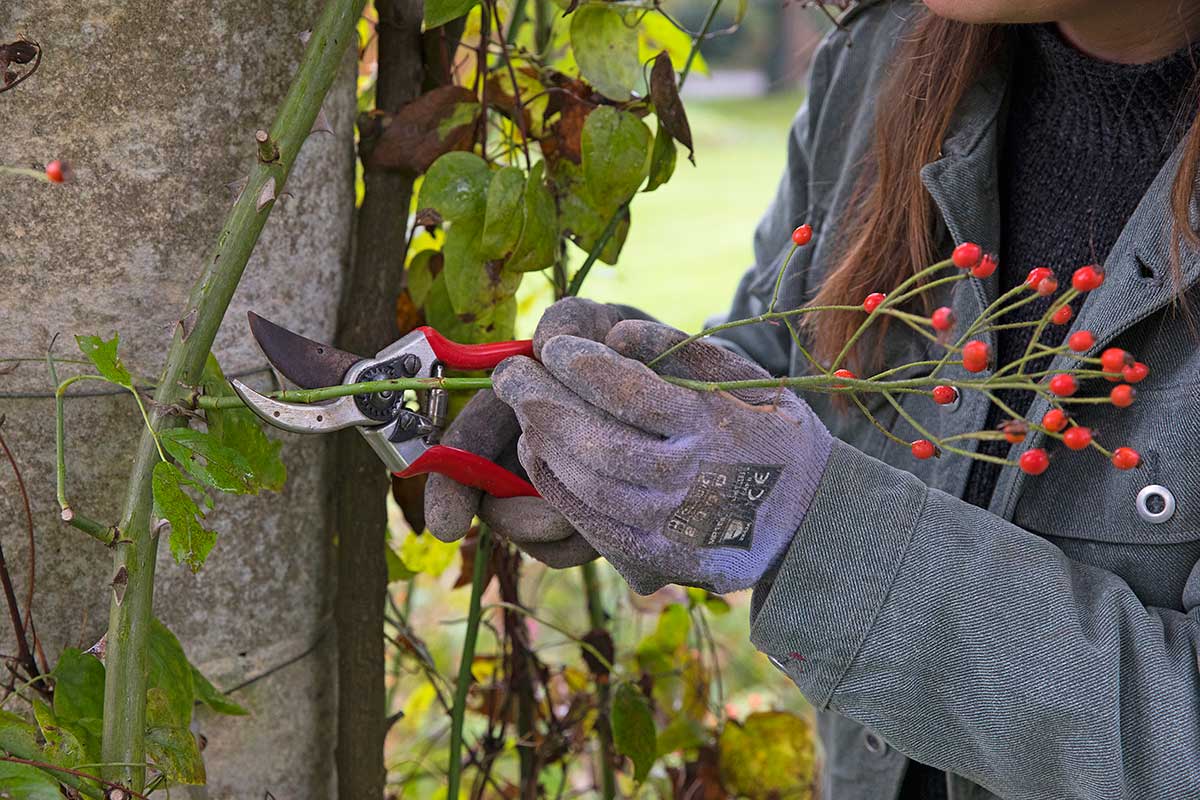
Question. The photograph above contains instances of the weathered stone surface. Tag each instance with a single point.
(155, 106)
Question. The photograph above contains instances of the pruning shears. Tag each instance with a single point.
(403, 432)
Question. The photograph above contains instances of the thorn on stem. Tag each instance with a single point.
(321, 123)
(267, 195)
(120, 583)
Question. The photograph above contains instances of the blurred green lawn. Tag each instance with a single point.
(691, 239)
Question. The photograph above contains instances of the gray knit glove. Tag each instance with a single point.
(669, 484)
(489, 428)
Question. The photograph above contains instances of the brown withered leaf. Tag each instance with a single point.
(409, 494)
(408, 316)
(664, 91)
(602, 642)
(435, 123)
(566, 134)
(699, 779)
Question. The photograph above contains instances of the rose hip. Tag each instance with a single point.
(1135, 373)
(1077, 438)
(1126, 458)
(1063, 315)
(802, 235)
(944, 395)
(966, 255)
(1081, 341)
(986, 266)
(1088, 278)
(976, 355)
(1034, 462)
(1064, 385)
(1054, 420)
(1122, 396)
(1037, 275)
(873, 301)
(923, 449)
(942, 319)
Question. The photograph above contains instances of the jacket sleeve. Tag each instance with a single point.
(770, 345)
(978, 647)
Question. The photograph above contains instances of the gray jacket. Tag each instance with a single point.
(1045, 647)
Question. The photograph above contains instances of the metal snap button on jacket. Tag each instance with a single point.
(1155, 504)
(875, 743)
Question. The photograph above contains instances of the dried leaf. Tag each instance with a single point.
(437, 122)
(409, 494)
(664, 91)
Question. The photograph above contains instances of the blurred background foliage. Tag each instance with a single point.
(689, 243)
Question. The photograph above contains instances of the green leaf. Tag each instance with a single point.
(239, 429)
(662, 159)
(633, 729)
(171, 748)
(424, 267)
(439, 12)
(539, 236)
(170, 674)
(190, 541)
(616, 156)
(67, 743)
(208, 461)
(579, 218)
(505, 216)
(659, 651)
(214, 698)
(474, 282)
(770, 755)
(606, 50)
(456, 186)
(27, 783)
(17, 735)
(103, 355)
(78, 686)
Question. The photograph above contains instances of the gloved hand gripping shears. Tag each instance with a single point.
(404, 437)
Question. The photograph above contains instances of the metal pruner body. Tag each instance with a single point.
(405, 438)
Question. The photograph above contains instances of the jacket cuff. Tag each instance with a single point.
(812, 614)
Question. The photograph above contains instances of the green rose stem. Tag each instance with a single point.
(123, 742)
(483, 551)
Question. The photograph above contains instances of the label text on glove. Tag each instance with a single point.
(721, 505)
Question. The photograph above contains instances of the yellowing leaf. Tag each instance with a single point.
(427, 554)
(769, 756)
(606, 50)
(657, 33)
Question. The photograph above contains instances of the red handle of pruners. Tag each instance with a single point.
(474, 356)
(470, 469)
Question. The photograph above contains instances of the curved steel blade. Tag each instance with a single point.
(301, 417)
(308, 364)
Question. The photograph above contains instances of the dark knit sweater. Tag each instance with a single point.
(1082, 142)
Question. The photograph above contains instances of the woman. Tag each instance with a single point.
(1024, 637)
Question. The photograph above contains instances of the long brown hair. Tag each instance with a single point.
(890, 221)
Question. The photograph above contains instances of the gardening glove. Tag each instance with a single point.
(488, 427)
(671, 485)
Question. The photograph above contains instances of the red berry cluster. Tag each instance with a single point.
(976, 356)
